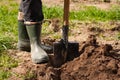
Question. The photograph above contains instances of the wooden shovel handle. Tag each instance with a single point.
(66, 12)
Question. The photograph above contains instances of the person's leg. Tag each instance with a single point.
(33, 17)
(23, 39)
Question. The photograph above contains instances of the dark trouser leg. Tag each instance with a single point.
(30, 14)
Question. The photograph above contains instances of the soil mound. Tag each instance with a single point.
(96, 62)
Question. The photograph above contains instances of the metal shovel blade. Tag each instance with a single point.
(60, 52)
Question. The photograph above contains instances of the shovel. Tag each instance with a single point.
(64, 50)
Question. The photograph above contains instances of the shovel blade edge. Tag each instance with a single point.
(58, 49)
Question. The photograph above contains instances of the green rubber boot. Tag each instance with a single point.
(23, 38)
(38, 54)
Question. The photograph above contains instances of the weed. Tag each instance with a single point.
(6, 43)
(118, 36)
(6, 63)
(29, 76)
(4, 74)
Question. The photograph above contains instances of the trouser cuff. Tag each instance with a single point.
(20, 16)
(31, 23)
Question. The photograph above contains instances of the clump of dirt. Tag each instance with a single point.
(96, 62)
(95, 29)
(27, 70)
(48, 41)
(54, 25)
(116, 28)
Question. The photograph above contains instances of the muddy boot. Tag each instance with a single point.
(23, 38)
(38, 55)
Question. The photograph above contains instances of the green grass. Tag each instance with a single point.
(8, 25)
(29, 76)
(6, 63)
(6, 43)
(87, 13)
(52, 12)
(92, 13)
(4, 74)
(8, 36)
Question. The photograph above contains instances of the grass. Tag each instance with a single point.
(8, 26)
(92, 13)
(87, 13)
(6, 63)
(52, 12)
(8, 36)
(29, 76)
(6, 43)
(4, 75)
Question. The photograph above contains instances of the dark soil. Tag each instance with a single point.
(96, 62)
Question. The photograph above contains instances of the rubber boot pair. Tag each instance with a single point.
(29, 40)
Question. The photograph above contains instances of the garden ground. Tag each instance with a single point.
(99, 48)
